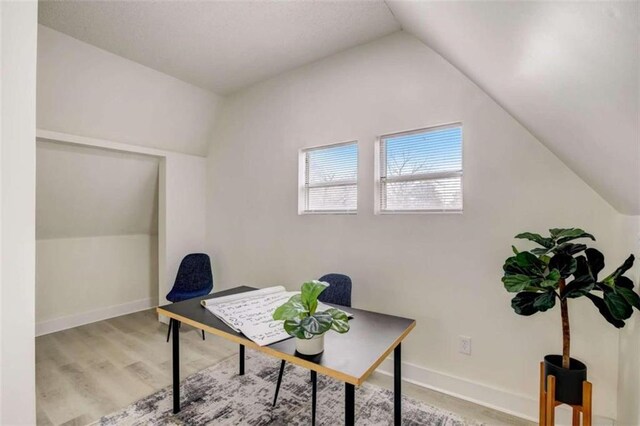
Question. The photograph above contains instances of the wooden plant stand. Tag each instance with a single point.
(548, 402)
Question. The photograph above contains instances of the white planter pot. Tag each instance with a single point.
(311, 346)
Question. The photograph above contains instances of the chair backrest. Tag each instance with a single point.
(194, 273)
(339, 290)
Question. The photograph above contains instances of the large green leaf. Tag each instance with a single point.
(565, 264)
(293, 328)
(539, 251)
(291, 309)
(630, 296)
(310, 292)
(530, 263)
(537, 238)
(524, 303)
(569, 248)
(511, 267)
(595, 260)
(624, 282)
(519, 282)
(583, 281)
(545, 301)
(318, 323)
(340, 322)
(582, 274)
(563, 235)
(552, 280)
(577, 289)
(604, 310)
(611, 279)
(618, 306)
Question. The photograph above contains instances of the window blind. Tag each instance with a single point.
(421, 170)
(331, 179)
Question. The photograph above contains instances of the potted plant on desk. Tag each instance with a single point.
(557, 271)
(305, 323)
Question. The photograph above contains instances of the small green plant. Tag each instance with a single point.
(301, 319)
(559, 270)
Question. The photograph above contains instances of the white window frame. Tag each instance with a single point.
(380, 180)
(303, 184)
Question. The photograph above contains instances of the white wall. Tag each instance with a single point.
(184, 201)
(181, 202)
(442, 269)
(117, 104)
(18, 26)
(88, 91)
(629, 374)
(80, 279)
(86, 192)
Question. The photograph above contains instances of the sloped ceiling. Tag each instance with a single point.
(568, 71)
(88, 192)
(220, 45)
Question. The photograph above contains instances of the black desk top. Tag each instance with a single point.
(349, 357)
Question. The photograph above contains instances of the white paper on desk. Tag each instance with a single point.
(251, 313)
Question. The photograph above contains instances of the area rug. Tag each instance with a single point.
(219, 396)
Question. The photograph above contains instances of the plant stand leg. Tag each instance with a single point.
(575, 421)
(551, 400)
(586, 403)
(543, 399)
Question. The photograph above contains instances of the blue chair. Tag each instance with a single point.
(338, 293)
(194, 279)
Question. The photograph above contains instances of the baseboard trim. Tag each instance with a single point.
(501, 400)
(63, 323)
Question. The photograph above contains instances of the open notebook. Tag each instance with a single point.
(250, 313)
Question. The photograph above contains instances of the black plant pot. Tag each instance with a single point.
(568, 380)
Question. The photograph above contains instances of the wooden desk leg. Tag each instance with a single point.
(551, 400)
(349, 404)
(586, 403)
(176, 366)
(543, 401)
(241, 360)
(314, 392)
(397, 385)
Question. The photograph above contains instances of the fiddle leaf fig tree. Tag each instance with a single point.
(561, 269)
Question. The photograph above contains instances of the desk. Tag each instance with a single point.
(349, 357)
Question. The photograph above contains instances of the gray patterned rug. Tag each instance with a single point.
(219, 396)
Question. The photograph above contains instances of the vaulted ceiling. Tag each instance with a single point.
(568, 71)
(220, 45)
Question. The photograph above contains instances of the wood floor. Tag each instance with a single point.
(86, 372)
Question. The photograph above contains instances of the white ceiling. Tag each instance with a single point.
(568, 71)
(84, 192)
(220, 45)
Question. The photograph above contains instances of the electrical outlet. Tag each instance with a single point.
(464, 346)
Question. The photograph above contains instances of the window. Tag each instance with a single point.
(420, 171)
(329, 179)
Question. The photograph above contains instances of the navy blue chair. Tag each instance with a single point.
(194, 279)
(338, 293)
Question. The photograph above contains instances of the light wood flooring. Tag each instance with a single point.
(86, 372)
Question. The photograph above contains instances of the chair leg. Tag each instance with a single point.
(202, 334)
(169, 332)
(275, 398)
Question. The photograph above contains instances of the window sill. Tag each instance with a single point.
(334, 212)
